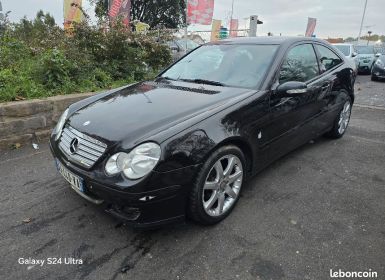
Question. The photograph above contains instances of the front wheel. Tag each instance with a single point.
(342, 121)
(218, 186)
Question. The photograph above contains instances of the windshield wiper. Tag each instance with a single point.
(165, 78)
(202, 81)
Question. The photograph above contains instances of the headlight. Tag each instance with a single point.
(136, 164)
(380, 63)
(59, 126)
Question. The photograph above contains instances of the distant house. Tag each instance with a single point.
(335, 40)
(196, 38)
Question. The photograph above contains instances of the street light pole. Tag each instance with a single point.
(369, 33)
(185, 28)
(232, 12)
(362, 21)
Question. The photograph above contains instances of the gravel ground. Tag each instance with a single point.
(320, 207)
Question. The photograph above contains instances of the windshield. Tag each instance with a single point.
(344, 49)
(230, 65)
(380, 50)
(364, 49)
(190, 44)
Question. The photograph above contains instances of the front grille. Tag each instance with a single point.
(81, 148)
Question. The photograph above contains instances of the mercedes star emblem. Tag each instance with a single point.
(74, 145)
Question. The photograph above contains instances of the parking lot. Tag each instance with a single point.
(319, 208)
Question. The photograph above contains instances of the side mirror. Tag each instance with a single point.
(377, 55)
(289, 89)
(354, 54)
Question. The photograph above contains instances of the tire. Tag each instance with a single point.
(373, 78)
(342, 120)
(213, 196)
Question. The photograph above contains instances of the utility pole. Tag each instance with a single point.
(232, 13)
(369, 33)
(362, 21)
(185, 28)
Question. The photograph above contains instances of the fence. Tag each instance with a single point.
(202, 37)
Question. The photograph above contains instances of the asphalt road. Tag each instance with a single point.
(321, 207)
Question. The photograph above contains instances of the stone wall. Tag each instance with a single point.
(31, 121)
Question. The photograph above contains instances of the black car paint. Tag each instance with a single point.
(190, 121)
(378, 72)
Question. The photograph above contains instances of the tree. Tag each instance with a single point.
(101, 8)
(373, 37)
(166, 13)
(350, 39)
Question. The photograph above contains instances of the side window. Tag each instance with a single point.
(300, 65)
(327, 57)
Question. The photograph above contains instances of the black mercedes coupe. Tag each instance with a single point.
(184, 143)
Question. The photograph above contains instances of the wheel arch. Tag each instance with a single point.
(243, 145)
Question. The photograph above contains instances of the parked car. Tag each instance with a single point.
(367, 57)
(349, 52)
(184, 144)
(178, 47)
(379, 49)
(378, 70)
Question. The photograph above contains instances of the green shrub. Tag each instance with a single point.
(54, 70)
(38, 59)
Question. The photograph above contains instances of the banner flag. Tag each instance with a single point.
(233, 28)
(216, 27)
(72, 12)
(200, 11)
(311, 23)
(120, 8)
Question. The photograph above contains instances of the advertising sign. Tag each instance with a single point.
(120, 9)
(72, 13)
(200, 11)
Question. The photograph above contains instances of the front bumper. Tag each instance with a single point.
(160, 199)
(365, 66)
(378, 72)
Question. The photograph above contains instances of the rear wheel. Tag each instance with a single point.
(218, 185)
(342, 121)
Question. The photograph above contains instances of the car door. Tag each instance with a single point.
(332, 81)
(291, 117)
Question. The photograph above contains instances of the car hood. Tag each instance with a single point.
(134, 113)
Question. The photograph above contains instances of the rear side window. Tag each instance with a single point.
(300, 65)
(327, 57)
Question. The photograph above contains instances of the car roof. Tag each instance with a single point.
(275, 40)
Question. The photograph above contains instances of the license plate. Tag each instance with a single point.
(75, 181)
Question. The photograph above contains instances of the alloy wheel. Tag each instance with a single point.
(222, 185)
(344, 117)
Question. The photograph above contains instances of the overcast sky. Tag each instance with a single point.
(335, 18)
